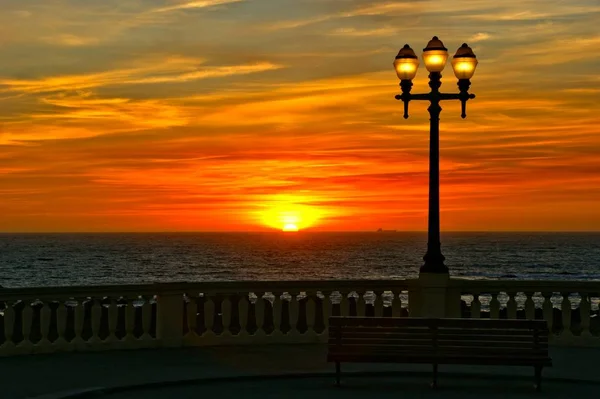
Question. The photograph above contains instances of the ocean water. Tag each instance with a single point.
(29, 260)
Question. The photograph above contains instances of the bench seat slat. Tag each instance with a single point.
(440, 331)
(419, 358)
(429, 335)
(440, 343)
(482, 350)
(440, 323)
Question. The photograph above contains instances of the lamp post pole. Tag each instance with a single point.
(406, 64)
(434, 260)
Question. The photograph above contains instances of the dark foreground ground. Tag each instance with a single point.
(274, 371)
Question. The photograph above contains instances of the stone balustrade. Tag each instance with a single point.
(570, 307)
(55, 319)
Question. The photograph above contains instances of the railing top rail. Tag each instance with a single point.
(527, 285)
(196, 287)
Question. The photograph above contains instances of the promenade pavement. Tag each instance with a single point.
(262, 371)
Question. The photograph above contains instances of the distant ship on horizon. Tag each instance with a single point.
(380, 230)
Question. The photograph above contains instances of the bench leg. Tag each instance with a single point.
(338, 373)
(538, 378)
(435, 376)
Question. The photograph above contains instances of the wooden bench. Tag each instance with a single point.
(439, 341)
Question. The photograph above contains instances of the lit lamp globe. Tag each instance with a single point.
(406, 63)
(435, 55)
(464, 62)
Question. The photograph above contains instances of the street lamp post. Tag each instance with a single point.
(406, 64)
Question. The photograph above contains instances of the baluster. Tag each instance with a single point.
(584, 312)
(310, 313)
(293, 313)
(476, 306)
(259, 312)
(277, 310)
(566, 316)
(209, 315)
(79, 316)
(397, 304)
(130, 338)
(61, 326)
(548, 310)
(327, 311)
(191, 311)
(8, 347)
(361, 304)
(26, 345)
(529, 306)
(112, 321)
(243, 306)
(45, 312)
(226, 307)
(494, 306)
(511, 305)
(96, 314)
(378, 304)
(146, 320)
(344, 304)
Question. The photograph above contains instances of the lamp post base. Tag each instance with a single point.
(434, 263)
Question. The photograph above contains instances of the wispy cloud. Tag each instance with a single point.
(353, 32)
(169, 70)
(71, 40)
(479, 37)
(188, 5)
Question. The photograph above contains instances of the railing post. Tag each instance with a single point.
(397, 303)
(243, 306)
(26, 346)
(344, 304)
(311, 314)
(226, 313)
(277, 310)
(361, 304)
(113, 313)
(8, 347)
(95, 315)
(130, 340)
(169, 319)
(584, 312)
(511, 305)
(548, 310)
(209, 316)
(146, 338)
(78, 342)
(293, 314)
(435, 297)
(44, 344)
(259, 313)
(327, 311)
(192, 318)
(61, 326)
(494, 306)
(565, 308)
(529, 306)
(378, 304)
(476, 306)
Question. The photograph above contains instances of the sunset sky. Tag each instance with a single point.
(212, 115)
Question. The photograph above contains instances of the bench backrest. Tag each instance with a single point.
(483, 337)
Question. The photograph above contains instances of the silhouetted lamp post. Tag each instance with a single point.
(406, 64)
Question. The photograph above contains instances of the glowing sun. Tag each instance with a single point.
(286, 215)
(290, 227)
